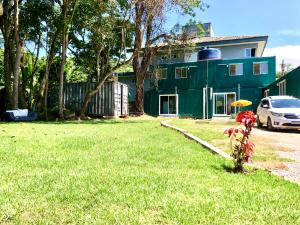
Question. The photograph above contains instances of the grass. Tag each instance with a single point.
(129, 172)
(265, 150)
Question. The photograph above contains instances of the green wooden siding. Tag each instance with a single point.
(214, 74)
(292, 84)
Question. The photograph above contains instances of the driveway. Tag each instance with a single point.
(288, 143)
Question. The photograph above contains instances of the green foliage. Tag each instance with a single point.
(93, 172)
(97, 34)
(123, 69)
(1, 67)
(73, 72)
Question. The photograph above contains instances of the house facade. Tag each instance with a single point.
(207, 88)
(190, 87)
(288, 84)
(232, 47)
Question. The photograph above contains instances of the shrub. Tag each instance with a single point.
(243, 149)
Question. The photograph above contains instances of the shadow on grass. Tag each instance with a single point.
(230, 169)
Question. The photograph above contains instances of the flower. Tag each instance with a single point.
(233, 131)
(246, 117)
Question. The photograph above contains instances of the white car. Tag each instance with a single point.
(279, 112)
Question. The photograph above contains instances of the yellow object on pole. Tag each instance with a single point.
(241, 103)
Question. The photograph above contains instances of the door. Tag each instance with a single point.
(168, 105)
(222, 104)
(230, 99)
(219, 104)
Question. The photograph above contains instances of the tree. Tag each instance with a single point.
(100, 33)
(285, 68)
(13, 48)
(148, 20)
(68, 8)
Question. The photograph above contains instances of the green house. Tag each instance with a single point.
(289, 84)
(204, 89)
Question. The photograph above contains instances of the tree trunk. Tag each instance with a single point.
(90, 94)
(34, 71)
(139, 97)
(61, 75)
(17, 56)
(6, 32)
(63, 59)
(41, 101)
(7, 74)
(46, 102)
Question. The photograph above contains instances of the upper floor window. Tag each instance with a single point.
(161, 73)
(236, 69)
(250, 52)
(164, 57)
(181, 72)
(260, 68)
(282, 87)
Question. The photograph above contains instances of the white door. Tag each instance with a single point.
(222, 104)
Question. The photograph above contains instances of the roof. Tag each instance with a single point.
(222, 40)
(290, 75)
(201, 41)
(281, 97)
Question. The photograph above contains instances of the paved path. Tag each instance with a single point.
(285, 140)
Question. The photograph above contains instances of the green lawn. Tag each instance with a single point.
(265, 152)
(129, 172)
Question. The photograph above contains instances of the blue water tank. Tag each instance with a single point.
(209, 53)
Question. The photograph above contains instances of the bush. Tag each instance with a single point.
(243, 149)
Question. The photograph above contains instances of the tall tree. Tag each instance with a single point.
(101, 36)
(149, 17)
(9, 24)
(68, 8)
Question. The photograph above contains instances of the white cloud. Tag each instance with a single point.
(295, 33)
(290, 54)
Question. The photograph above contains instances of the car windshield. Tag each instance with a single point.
(285, 103)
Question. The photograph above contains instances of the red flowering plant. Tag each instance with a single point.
(243, 149)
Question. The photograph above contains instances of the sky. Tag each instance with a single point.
(280, 20)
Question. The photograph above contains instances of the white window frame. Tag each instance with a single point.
(166, 69)
(187, 69)
(176, 95)
(267, 93)
(282, 87)
(232, 75)
(247, 56)
(224, 93)
(260, 73)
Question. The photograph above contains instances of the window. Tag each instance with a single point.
(222, 104)
(282, 87)
(161, 73)
(164, 57)
(267, 93)
(250, 52)
(181, 73)
(168, 105)
(265, 102)
(260, 68)
(236, 69)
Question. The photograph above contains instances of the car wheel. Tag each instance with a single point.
(269, 124)
(259, 124)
